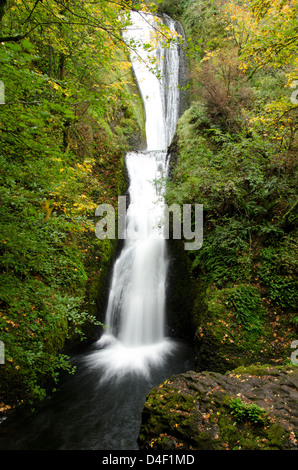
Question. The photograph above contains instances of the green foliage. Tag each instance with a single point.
(240, 308)
(71, 109)
(224, 256)
(278, 272)
(203, 28)
(236, 180)
(173, 8)
(243, 412)
(247, 305)
(235, 153)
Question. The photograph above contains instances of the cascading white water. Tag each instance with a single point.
(135, 316)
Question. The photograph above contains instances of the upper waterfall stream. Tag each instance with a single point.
(135, 318)
(99, 408)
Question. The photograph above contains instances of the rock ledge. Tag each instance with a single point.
(253, 408)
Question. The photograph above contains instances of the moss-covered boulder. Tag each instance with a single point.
(236, 326)
(249, 409)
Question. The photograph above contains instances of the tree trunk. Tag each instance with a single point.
(2, 7)
(61, 66)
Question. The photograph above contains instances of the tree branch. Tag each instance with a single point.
(17, 38)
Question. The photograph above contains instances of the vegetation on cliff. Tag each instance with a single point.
(235, 152)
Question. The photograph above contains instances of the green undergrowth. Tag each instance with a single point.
(235, 152)
(69, 118)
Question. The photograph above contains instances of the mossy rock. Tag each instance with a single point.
(235, 328)
(201, 411)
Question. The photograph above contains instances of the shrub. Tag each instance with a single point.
(246, 303)
(247, 413)
(278, 271)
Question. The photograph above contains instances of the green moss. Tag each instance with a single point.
(262, 369)
(231, 328)
(188, 412)
(56, 338)
(237, 327)
(247, 426)
(247, 431)
(276, 437)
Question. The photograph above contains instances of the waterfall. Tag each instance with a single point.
(135, 334)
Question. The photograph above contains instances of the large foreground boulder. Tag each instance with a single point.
(251, 408)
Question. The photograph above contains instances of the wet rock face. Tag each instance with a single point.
(256, 408)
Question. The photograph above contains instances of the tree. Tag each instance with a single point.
(275, 40)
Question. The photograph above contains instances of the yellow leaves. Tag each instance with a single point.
(293, 74)
(47, 209)
(206, 416)
(65, 195)
(208, 56)
(10, 322)
(86, 166)
(273, 41)
(241, 23)
(54, 85)
(244, 66)
(4, 407)
(84, 206)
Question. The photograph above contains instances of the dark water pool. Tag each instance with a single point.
(86, 414)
